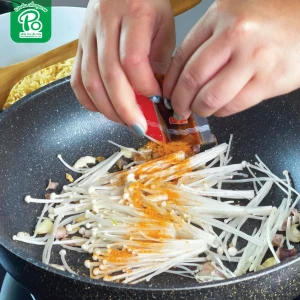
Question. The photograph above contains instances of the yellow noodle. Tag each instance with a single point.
(38, 79)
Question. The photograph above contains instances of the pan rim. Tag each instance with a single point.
(80, 278)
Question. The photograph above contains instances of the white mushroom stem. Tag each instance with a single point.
(171, 212)
(62, 254)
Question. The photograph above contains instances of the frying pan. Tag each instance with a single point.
(50, 121)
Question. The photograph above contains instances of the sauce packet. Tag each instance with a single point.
(163, 127)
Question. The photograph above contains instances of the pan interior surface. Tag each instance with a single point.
(51, 122)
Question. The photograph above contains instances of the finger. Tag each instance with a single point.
(135, 44)
(163, 45)
(115, 81)
(207, 61)
(93, 82)
(252, 94)
(77, 84)
(200, 33)
(222, 88)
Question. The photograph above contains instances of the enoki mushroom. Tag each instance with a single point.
(162, 215)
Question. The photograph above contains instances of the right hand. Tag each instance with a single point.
(122, 45)
(240, 53)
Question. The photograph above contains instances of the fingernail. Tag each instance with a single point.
(177, 117)
(138, 130)
(155, 99)
(167, 103)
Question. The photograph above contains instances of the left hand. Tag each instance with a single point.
(240, 53)
(122, 45)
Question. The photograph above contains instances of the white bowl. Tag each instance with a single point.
(66, 25)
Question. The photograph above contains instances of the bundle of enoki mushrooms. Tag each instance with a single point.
(168, 214)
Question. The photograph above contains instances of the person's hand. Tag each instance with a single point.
(121, 45)
(240, 53)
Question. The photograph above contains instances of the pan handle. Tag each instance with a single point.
(180, 6)
(12, 74)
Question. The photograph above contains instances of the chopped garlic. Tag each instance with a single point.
(83, 162)
(69, 177)
(100, 158)
(127, 153)
(269, 263)
(45, 227)
(51, 185)
(294, 234)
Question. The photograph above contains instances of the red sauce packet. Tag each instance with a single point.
(163, 127)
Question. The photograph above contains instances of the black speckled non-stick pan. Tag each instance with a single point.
(51, 121)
